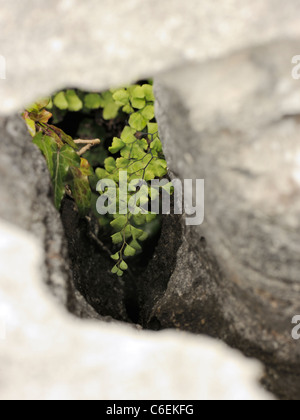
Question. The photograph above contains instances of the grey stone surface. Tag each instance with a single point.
(27, 201)
(235, 123)
(101, 43)
(232, 119)
(47, 354)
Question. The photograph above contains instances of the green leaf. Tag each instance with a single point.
(50, 104)
(135, 245)
(136, 233)
(138, 92)
(138, 103)
(128, 135)
(153, 129)
(122, 163)
(136, 167)
(68, 140)
(117, 238)
(149, 174)
(59, 176)
(101, 173)
(156, 169)
(74, 102)
(136, 150)
(43, 103)
(86, 168)
(116, 257)
(121, 96)
(116, 146)
(60, 136)
(137, 121)
(128, 109)
(150, 217)
(129, 251)
(144, 237)
(70, 156)
(128, 232)
(156, 146)
(115, 269)
(33, 108)
(48, 147)
(107, 97)
(110, 165)
(148, 112)
(60, 101)
(124, 266)
(31, 126)
(81, 190)
(53, 134)
(63, 159)
(110, 111)
(139, 219)
(93, 101)
(119, 223)
(44, 116)
(148, 92)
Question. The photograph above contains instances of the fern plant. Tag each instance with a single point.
(136, 154)
(140, 159)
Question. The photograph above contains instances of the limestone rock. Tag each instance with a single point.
(101, 43)
(27, 200)
(45, 353)
(229, 114)
(234, 122)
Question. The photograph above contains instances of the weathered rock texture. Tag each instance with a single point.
(27, 201)
(101, 43)
(235, 123)
(232, 119)
(47, 354)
